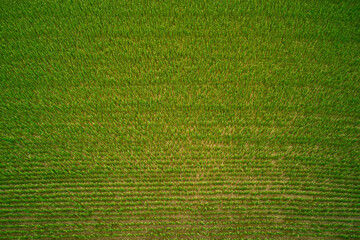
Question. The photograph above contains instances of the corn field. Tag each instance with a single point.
(179, 119)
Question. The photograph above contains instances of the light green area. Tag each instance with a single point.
(180, 119)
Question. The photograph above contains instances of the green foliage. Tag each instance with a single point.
(179, 119)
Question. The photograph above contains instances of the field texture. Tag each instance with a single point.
(180, 119)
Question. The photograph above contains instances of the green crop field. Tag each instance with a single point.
(231, 119)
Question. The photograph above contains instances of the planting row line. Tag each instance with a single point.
(99, 182)
(141, 176)
(18, 223)
(196, 219)
(147, 213)
(82, 207)
(163, 192)
(259, 186)
(183, 232)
